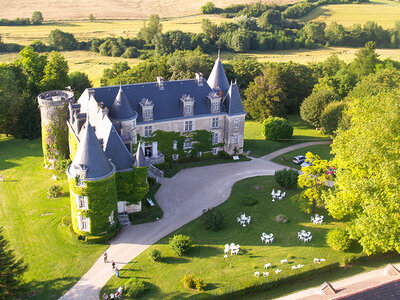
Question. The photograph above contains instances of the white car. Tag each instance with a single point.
(299, 159)
(306, 164)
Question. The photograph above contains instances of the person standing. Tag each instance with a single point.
(117, 272)
(105, 296)
(113, 265)
(105, 257)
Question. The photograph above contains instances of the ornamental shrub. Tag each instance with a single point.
(199, 283)
(312, 107)
(332, 116)
(188, 281)
(54, 191)
(155, 255)
(212, 219)
(249, 201)
(135, 288)
(66, 221)
(275, 128)
(338, 239)
(286, 178)
(180, 244)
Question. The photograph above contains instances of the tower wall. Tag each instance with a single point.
(54, 112)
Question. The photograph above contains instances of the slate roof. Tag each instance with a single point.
(217, 79)
(90, 156)
(116, 150)
(120, 109)
(233, 100)
(140, 160)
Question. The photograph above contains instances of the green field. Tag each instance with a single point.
(256, 143)
(206, 259)
(32, 223)
(384, 12)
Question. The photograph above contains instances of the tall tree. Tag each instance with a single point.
(366, 60)
(150, 29)
(55, 73)
(37, 18)
(60, 40)
(79, 82)
(11, 271)
(184, 64)
(314, 181)
(367, 157)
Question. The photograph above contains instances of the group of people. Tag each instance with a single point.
(116, 270)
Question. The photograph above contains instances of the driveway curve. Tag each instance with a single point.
(182, 198)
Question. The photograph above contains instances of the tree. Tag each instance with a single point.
(60, 40)
(79, 82)
(335, 33)
(37, 18)
(275, 128)
(367, 156)
(314, 181)
(244, 70)
(55, 73)
(241, 40)
(150, 29)
(312, 107)
(331, 117)
(313, 32)
(171, 41)
(184, 64)
(91, 18)
(210, 29)
(114, 71)
(11, 271)
(208, 8)
(270, 17)
(365, 61)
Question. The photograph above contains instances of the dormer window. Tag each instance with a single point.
(188, 105)
(147, 109)
(215, 102)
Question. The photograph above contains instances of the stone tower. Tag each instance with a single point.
(54, 112)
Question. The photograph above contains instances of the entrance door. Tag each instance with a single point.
(121, 207)
(148, 150)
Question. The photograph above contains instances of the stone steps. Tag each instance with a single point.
(123, 219)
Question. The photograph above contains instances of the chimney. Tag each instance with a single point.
(105, 112)
(199, 78)
(160, 82)
(91, 92)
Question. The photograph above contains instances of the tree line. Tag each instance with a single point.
(36, 19)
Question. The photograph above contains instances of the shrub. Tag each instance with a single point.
(66, 221)
(281, 219)
(249, 201)
(275, 128)
(331, 117)
(286, 178)
(200, 285)
(61, 167)
(135, 288)
(180, 244)
(312, 107)
(338, 239)
(188, 281)
(209, 8)
(155, 255)
(212, 219)
(54, 191)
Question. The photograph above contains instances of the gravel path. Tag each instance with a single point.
(182, 198)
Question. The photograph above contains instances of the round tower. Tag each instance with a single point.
(54, 112)
(93, 189)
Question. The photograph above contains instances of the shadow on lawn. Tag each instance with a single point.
(51, 289)
(174, 260)
(204, 251)
(12, 149)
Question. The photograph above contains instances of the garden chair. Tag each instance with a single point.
(294, 267)
(273, 193)
(322, 260)
(118, 292)
(283, 195)
(262, 239)
(267, 265)
(283, 261)
(277, 271)
(265, 274)
(257, 274)
(300, 266)
(316, 260)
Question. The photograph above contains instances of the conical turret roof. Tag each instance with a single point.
(217, 79)
(121, 109)
(140, 158)
(233, 100)
(90, 157)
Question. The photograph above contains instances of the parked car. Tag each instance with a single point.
(331, 171)
(299, 159)
(306, 164)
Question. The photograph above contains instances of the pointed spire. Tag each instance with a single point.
(219, 50)
(140, 158)
(233, 101)
(90, 157)
(217, 79)
(121, 109)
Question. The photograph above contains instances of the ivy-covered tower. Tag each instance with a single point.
(54, 112)
(92, 184)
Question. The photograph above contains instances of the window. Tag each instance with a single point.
(215, 151)
(215, 123)
(188, 109)
(215, 107)
(188, 126)
(111, 218)
(187, 145)
(134, 124)
(215, 138)
(148, 131)
(199, 154)
(175, 145)
(83, 223)
(235, 139)
(175, 156)
(236, 124)
(79, 181)
(82, 202)
(147, 114)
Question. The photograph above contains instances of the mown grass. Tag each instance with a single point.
(32, 223)
(206, 259)
(148, 213)
(323, 150)
(256, 143)
(383, 12)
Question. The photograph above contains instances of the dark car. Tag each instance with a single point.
(299, 159)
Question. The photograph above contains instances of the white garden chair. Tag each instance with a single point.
(265, 274)
(257, 274)
(277, 271)
(267, 265)
(284, 261)
(316, 260)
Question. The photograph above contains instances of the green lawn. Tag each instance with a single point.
(32, 223)
(324, 151)
(206, 259)
(256, 143)
(383, 12)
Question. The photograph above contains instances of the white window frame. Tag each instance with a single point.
(187, 145)
(215, 123)
(148, 131)
(111, 218)
(215, 106)
(188, 126)
(175, 145)
(215, 138)
(236, 124)
(83, 223)
(235, 139)
(175, 156)
(188, 109)
(214, 151)
(81, 202)
(199, 154)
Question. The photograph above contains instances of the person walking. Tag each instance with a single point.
(105, 296)
(117, 272)
(105, 257)
(113, 265)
